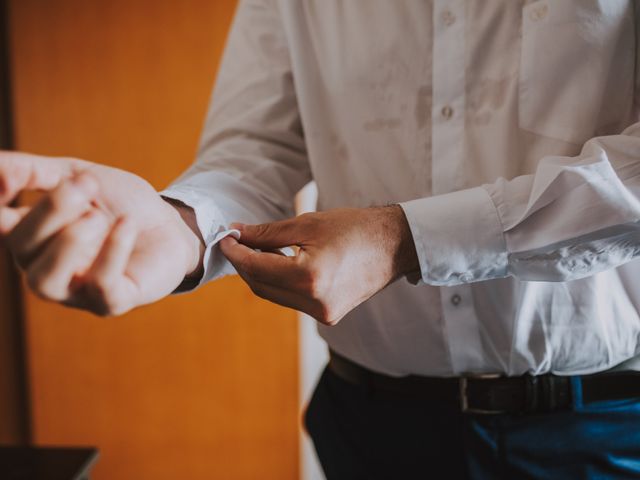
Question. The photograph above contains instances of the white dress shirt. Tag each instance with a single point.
(508, 131)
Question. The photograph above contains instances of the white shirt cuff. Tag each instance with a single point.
(212, 226)
(458, 237)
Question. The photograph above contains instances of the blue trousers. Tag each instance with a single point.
(361, 434)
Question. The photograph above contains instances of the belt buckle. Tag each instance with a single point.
(464, 400)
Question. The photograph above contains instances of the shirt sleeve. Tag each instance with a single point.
(252, 158)
(574, 217)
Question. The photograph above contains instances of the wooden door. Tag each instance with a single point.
(199, 386)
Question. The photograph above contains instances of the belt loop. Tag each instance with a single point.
(576, 391)
(531, 397)
(549, 392)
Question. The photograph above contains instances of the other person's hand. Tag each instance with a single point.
(344, 256)
(99, 238)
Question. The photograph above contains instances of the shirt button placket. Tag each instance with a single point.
(448, 173)
(447, 147)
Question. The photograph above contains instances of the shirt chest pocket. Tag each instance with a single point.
(576, 68)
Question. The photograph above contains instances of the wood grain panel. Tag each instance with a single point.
(198, 386)
(14, 427)
(13, 399)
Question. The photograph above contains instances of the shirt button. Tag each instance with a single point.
(447, 112)
(538, 13)
(448, 18)
(456, 299)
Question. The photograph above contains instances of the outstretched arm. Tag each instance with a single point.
(252, 161)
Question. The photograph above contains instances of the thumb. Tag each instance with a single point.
(268, 236)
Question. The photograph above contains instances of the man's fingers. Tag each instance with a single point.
(10, 217)
(269, 236)
(280, 279)
(23, 171)
(278, 295)
(114, 256)
(266, 267)
(106, 285)
(64, 205)
(70, 252)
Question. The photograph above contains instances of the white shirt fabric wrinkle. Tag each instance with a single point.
(507, 130)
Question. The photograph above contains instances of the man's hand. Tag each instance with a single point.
(99, 238)
(345, 256)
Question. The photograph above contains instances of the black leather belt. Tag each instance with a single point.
(490, 394)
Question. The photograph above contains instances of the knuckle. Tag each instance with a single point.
(261, 230)
(309, 220)
(63, 198)
(314, 283)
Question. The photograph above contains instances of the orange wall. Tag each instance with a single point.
(199, 386)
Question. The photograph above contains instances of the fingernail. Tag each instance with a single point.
(236, 226)
(85, 182)
(227, 240)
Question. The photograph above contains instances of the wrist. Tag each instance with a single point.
(404, 256)
(192, 239)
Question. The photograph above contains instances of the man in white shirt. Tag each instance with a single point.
(504, 138)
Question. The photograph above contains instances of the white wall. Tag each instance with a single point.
(313, 358)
